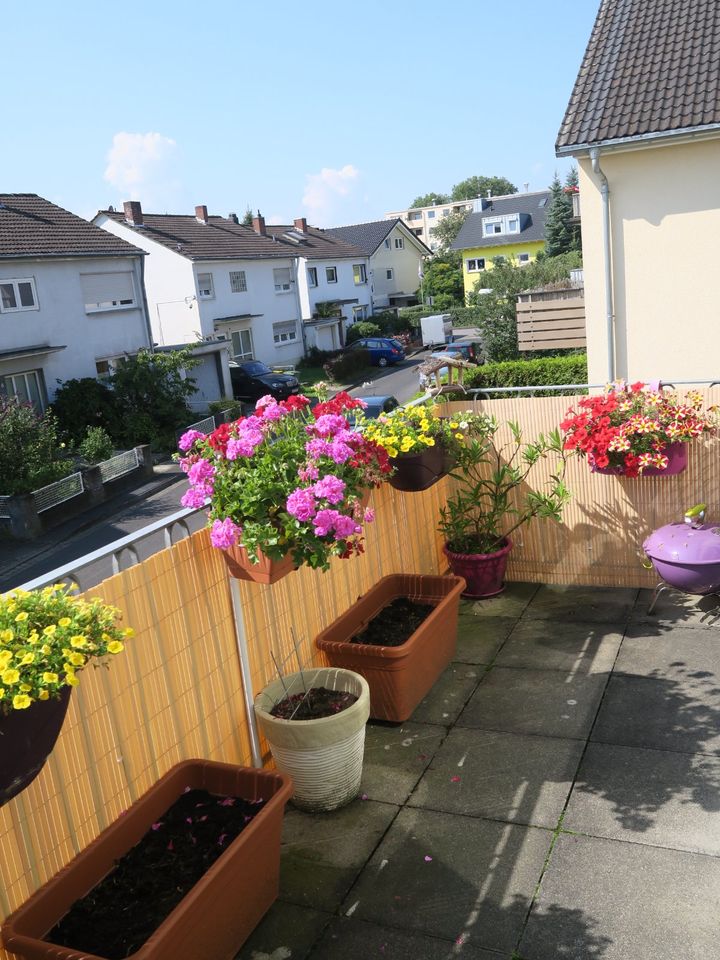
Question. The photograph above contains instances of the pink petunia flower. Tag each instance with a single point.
(330, 488)
(301, 503)
(188, 439)
(224, 533)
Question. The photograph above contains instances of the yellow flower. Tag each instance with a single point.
(50, 678)
(78, 641)
(25, 687)
(391, 451)
(129, 632)
(28, 658)
(33, 638)
(2, 692)
(459, 436)
(21, 701)
(49, 631)
(6, 636)
(64, 622)
(453, 425)
(5, 658)
(46, 649)
(44, 695)
(10, 676)
(115, 647)
(21, 616)
(76, 659)
(71, 680)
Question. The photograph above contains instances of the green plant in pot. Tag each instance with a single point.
(491, 498)
(46, 638)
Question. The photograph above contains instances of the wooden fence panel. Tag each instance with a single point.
(551, 324)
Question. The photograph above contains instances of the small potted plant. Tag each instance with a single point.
(287, 485)
(488, 501)
(636, 430)
(314, 721)
(46, 638)
(414, 437)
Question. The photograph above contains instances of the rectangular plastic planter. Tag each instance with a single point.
(215, 918)
(399, 677)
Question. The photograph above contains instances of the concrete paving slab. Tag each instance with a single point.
(510, 603)
(648, 796)
(502, 776)
(285, 931)
(322, 854)
(545, 702)
(449, 694)
(660, 713)
(450, 877)
(606, 900)
(674, 608)
(590, 604)
(577, 648)
(351, 939)
(479, 638)
(684, 653)
(396, 757)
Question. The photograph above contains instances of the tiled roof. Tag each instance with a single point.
(369, 236)
(532, 207)
(651, 67)
(33, 227)
(223, 239)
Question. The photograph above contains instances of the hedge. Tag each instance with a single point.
(461, 316)
(530, 373)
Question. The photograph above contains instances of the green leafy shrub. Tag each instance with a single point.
(30, 451)
(85, 403)
(392, 323)
(315, 358)
(541, 371)
(96, 446)
(364, 328)
(346, 365)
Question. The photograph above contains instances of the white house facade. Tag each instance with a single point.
(260, 288)
(71, 299)
(423, 220)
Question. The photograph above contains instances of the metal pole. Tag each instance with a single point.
(242, 649)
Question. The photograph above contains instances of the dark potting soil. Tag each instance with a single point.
(317, 702)
(395, 623)
(147, 883)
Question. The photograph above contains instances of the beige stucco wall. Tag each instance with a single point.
(665, 227)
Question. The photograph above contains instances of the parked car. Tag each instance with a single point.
(382, 350)
(252, 379)
(469, 350)
(377, 404)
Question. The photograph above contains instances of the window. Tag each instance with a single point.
(238, 282)
(106, 366)
(26, 387)
(312, 276)
(285, 332)
(359, 313)
(446, 211)
(523, 258)
(107, 291)
(281, 279)
(414, 215)
(418, 232)
(16, 295)
(389, 273)
(206, 289)
(431, 214)
(387, 243)
(399, 243)
(512, 225)
(492, 228)
(359, 273)
(331, 274)
(242, 346)
(476, 264)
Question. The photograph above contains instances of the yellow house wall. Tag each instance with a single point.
(665, 229)
(507, 250)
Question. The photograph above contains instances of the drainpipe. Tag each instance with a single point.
(148, 324)
(609, 307)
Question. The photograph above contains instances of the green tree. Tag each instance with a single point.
(429, 199)
(443, 280)
(30, 452)
(497, 308)
(248, 218)
(80, 405)
(559, 234)
(478, 187)
(448, 228)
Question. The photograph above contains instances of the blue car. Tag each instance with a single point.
(382, 350)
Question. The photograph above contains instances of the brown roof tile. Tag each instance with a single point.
(651, 66)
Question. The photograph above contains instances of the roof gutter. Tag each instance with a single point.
(658, 138)
(607, 255)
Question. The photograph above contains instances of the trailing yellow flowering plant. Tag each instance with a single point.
(46, 637)
(408, 430)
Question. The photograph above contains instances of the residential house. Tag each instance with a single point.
(71, 298)
(511, 227)
(423, 220)
(643, 122)
(271, 291)
(395, 256)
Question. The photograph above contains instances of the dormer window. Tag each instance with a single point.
(497, 226)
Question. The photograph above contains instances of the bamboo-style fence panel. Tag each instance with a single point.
(176, 691)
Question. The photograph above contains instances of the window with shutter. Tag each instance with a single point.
(206, 289)
(107, 291)
(281, 279)
(285, 332)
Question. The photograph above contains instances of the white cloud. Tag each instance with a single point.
(140, 166)
(326, 192)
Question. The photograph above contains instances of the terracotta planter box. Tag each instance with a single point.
(399, 677)
(266, 571)
(215, 918)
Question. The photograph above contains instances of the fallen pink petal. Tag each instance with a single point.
(427, 859)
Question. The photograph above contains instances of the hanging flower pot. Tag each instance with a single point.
(266, 570)
(484, 573)
(677, 456)
(418, 471)
(324, 754)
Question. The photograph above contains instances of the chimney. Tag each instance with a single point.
(259, 225)
(201, 214)
(301, 224)
(133, 212)
(233, 218)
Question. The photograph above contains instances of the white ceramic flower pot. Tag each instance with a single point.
(323, 756)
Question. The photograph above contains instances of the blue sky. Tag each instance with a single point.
(339, 112)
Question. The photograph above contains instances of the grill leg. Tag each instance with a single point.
(660, 588)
